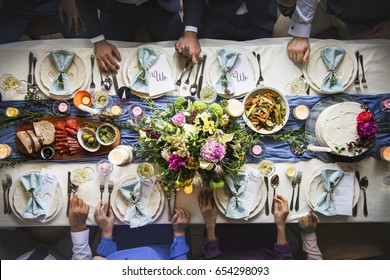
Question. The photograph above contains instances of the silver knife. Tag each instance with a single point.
(201, 76)
(266, 200)
(168, 194)
(116, 87)
(69, 193)
(30, 63)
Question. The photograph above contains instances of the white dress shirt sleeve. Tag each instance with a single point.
(310, 246)
(302, 18)
(81, 249)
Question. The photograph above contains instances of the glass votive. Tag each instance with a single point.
(235, 108)
(9, 83)
(61, 107)
(136, 111)
(257, 150)
(116, 111)
(384, 153)
(301, 112)
(145, 170)
(290, 171)
(100, 99)
(122, 155)
(208, 95)
(385, 103)
(5, 151)
(385, 178)
(104, 167)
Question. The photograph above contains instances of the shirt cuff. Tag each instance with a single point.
(106, 241)
(311, 236)
(98, 39)
(300, 29)
(80, 238)
(190, 28)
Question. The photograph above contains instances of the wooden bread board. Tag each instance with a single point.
(83, 122)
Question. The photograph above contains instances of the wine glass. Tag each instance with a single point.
(266, 167)
(145, 170)
(81, 175)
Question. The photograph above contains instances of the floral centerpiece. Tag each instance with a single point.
(194, 144)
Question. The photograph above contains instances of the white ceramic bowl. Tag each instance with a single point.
(89, 148)
(106, 134)
(284, 103)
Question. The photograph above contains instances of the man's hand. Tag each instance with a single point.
(105, 223)
(69, 8)
(381, 30)
(298, 49)
(207, 207)
(188, 46)
(107, 55)
(308, 223)
(180, 221)
(287, 3)
(78, 213)
(281, 210)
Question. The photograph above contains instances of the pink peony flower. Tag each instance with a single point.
(367, 129)
(364, 116)
(179, 119)
(213, 151)
(219, 170)
(175, 162)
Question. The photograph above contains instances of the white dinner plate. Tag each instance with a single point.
(316, 187)
(46, 72)
(315, 69)
(214, 71)
(222, 197)
(120, 203)
(19, 198)
(131, 68)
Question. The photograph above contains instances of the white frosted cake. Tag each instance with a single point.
(336, 126)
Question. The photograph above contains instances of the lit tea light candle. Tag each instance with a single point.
(256, 149)
(235, 108)
(385, 153)
(290, 171)
(118, 156)
(301, 112)
(62, 107)
(86, 100)
(386, 103)
(5, 151)
(116, 110)
(136, 111)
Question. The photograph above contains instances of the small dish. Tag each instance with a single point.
(47, 152)
(106, 134)
(87, 139)
(82, 97)
(61, 107)
(266, 167)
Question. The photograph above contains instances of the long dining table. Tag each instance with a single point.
(278, 72)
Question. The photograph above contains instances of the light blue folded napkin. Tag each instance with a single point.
(236, 208)
(332, 57)
(137, 212)
(62, 59)
(35, 209)
(226, 59)
(147, 57)
(325, 203)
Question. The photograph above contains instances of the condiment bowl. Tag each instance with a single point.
(106, 134)
(84, 135)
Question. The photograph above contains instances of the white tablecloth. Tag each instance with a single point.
(278, 72)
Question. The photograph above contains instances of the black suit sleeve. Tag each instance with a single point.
(88, 11)
(192, 12)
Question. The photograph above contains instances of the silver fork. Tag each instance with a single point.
(299, 179)
(92, 84)
(364, 81)
(101, 187)
(260, 81)
(110, 188)
(9, 184)
(357, 81)
(293, 184)
(178, 82)
(187, 81)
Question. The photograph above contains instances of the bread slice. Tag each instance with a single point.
(45, 131)
(26, 140)
(35, 140)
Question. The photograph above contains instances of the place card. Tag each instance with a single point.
(160, 77)
(49, 184)
(242, 75)
(344, 191)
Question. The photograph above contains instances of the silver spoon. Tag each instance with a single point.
(274, 185)
(364, 186)
(107, 83)
(194, 86)
(34, 87)
(101, 81)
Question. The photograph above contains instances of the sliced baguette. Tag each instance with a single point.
(26, 140)
(45, 131)
(35, 140)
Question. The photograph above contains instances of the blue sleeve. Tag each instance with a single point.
(106, 247)
(179, 248)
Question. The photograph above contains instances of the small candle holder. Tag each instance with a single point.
(290, 171)
(301, 112)
(385, 104)
(116, 111)
(235, 108)
(136, 111)
(257, 150)
(384, 153)
(61, 107)
(5, 151)
(104, 167)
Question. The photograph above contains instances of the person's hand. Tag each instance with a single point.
(69, 8)
(298, 49)
(78, 213)
(106, 56)
(287, 3)
(180, 221)
(207, 207)
(381, 30)
(188, 46)
(280, 210)
(105, 223)
(308, 223)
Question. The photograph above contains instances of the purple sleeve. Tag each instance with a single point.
(106, 247)
(211, 248)
(283, 252)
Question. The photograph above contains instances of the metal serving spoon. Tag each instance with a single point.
(274, 185)
(107, 83)
(364, 186)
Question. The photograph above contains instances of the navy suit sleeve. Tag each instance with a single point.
(192, 12)
(89, 15)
